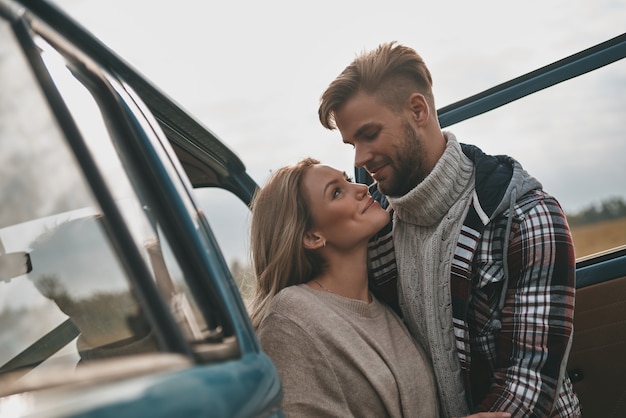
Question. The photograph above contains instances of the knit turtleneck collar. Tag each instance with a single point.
(429, 201)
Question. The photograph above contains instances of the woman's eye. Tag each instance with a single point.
(336, 192)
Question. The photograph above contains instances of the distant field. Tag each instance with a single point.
(589, 239)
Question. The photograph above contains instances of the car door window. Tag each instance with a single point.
(59, 259)
(65, 299)
(231, 228)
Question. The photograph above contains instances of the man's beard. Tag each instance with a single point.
(407, 166)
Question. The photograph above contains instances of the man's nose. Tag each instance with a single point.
(362, 155)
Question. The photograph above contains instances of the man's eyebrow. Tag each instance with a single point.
(363, 128)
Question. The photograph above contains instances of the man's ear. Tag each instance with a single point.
(313, 241)
(419, 108)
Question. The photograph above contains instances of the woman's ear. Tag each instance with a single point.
(313, 241)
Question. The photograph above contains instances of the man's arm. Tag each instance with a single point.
(537, 317)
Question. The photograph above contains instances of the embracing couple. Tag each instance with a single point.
(444, 289)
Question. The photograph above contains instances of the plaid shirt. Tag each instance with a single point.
(519, 323)
(512, 302)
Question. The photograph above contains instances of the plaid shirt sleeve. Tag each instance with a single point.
(527, 344)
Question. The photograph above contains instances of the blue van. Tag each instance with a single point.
(115, 299)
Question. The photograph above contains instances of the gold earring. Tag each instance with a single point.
(324, 243)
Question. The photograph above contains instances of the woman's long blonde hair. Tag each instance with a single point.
(280, 220)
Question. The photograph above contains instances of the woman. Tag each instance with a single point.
(339, 351)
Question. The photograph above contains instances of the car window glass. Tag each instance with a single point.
(570, 137)
(108, 148)
(229, 218)
(65, 300)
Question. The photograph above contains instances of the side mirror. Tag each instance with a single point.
(14, 265)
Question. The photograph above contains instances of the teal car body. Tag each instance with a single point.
(115, 297)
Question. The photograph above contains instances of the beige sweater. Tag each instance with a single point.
(339, 357)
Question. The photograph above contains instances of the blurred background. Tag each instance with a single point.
(252, 72)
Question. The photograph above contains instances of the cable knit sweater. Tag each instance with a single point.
(434, 211)
(340, 357)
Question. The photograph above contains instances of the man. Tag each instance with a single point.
(485, 258)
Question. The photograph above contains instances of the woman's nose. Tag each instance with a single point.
(361, 190)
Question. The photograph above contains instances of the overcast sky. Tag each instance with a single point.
(253, 71)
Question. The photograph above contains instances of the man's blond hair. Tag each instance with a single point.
(391, 73)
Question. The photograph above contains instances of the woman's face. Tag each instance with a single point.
(343, 212)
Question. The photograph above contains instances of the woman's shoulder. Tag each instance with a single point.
(293, 307)
(294, 298)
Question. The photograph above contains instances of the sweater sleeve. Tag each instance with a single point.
(537, 317)
(382, 268)
(310, 385)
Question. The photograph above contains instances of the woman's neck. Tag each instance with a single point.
(345, 275)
